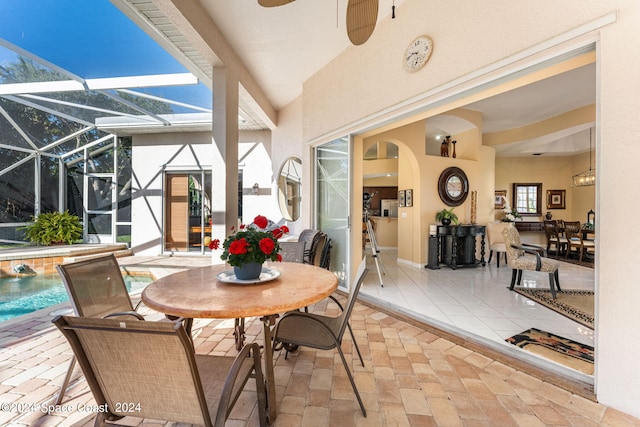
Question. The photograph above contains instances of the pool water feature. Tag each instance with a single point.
(26, 294)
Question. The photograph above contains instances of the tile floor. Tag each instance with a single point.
(476, 301)
(412, 376)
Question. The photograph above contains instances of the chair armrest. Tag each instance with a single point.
(531, 249)
(542, 251)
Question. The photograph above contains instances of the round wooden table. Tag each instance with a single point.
(197, 293)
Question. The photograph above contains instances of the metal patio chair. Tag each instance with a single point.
(297, 328)
(97, 289)
(150, 370)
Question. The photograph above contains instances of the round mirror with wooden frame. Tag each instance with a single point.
(453, 186)
(290, 188)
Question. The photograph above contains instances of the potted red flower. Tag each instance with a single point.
(247, 249)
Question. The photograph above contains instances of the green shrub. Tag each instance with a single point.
(54, 228)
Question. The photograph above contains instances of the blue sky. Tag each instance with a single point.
(90, 38)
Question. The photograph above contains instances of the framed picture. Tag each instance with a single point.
(500, 197)
(401, 198)
(556, 199)
(408, 198)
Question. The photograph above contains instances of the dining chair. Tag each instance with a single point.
(573, 231)
(150, 370)
(325, 255)
(528, 257)
(310, 238)
(554, 236)
(496, 241)
(312, 247)
(292, 251)
(96, 289)
(322, 332)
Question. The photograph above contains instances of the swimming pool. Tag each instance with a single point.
(26, 294)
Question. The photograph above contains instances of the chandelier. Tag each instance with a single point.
(586, 178)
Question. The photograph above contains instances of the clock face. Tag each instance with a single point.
(418, 53)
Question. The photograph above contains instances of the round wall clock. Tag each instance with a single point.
(418, 53)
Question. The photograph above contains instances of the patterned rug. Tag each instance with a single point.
(576, 305)
(553, 347)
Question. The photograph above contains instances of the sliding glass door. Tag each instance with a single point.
(187, 225)
(332, 200)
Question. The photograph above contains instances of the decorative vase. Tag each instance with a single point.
(248, 271)
(548, 216)
(446, 221)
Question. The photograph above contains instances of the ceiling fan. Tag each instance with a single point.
(361, 17)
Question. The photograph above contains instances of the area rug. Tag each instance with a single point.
(586, 261)
(576, 305)
(553, 347)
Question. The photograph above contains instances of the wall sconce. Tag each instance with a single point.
(255, 189)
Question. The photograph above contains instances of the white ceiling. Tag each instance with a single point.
(284, 46)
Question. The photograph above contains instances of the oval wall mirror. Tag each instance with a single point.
(453, 186)
(290, 188)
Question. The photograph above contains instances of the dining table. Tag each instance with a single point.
(213, 292)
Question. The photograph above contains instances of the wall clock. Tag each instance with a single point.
(453, 186)
(418, 53)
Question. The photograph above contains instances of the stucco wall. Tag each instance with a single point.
(555, 174)
(179, 152)
(360, 89)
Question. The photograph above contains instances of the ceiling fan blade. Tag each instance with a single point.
(361, 20)
(273, 3)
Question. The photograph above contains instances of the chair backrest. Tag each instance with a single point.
(310, 239)
(353, 295)
(551, 229)
(95, 286)
(494, 232)
(320, 245)
(150, 370)
(292, 251)
(325, 256)
(512, 237)
(122, 363)
(572, 230)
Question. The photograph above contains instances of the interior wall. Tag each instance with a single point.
(555, 174)
(420, 172)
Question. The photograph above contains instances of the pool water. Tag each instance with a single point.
(26, 294)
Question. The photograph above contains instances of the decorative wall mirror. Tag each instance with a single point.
(290, 188)
(453, 186)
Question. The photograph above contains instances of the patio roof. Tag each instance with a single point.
(66, 84)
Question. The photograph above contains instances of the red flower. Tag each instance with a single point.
(267, 246)
(239, 247)
(284, 229)
(261, 221)
(215, 244)
(279, 257)
(241, 226)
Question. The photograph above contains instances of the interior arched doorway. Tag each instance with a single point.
(390, 178)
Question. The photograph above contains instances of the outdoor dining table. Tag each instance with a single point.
(206, 292)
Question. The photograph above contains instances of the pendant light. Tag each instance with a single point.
(586, 178)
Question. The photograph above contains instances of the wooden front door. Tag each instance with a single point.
(176, 229)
